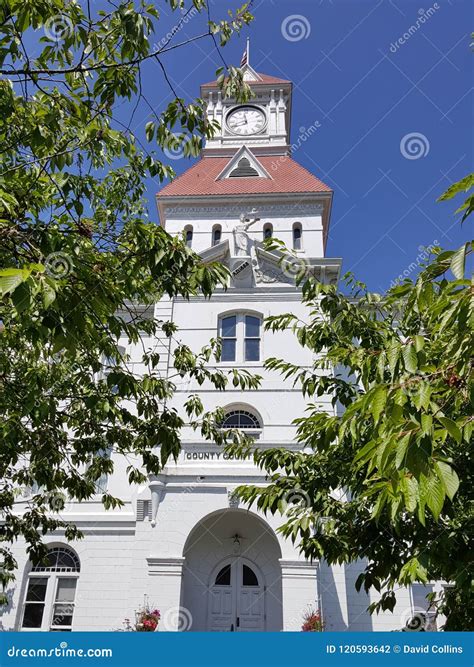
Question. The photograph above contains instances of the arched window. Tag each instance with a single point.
(59, 559)
(249, 578)
(223, 577)
(51, 590)
(241, 419)
(188, 235)
(241, 337)
(267, 230)
(297, 236)
(216, 234)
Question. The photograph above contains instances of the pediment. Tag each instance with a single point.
(249, 74)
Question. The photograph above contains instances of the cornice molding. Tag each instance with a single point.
(231, 211)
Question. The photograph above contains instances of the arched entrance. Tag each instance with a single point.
(232, 576)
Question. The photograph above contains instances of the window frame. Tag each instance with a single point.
(299, 226)
(241, 337)
(216, 228)
(53, 576)
(267, 227)
(189, 241)
(102, 483)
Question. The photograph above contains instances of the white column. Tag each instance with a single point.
(218, 113)
(272, 120)
(165, 576)
(281, 108)
(299, 581)
(210, 107)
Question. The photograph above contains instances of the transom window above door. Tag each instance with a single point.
(241, 337)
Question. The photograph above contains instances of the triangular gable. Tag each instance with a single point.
(249, 74)
(233, 164)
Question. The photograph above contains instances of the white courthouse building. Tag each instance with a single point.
(183, 540)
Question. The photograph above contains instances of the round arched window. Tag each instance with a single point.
(241, 419)
(188, 235)
(49, 600)
(297, 236)
(59, 559)
(216, 234)
(267, 231)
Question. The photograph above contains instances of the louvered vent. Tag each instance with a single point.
(143, 510)
(243, 169)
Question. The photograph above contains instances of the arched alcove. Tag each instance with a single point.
(232, 575)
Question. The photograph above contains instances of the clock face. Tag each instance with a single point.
(246, 120)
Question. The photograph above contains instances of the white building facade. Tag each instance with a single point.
(183, 540)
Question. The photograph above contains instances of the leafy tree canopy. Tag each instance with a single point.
(78, 252)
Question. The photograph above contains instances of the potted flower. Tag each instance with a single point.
(146, 620)
(312, 621)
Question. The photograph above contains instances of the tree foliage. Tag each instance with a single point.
(79, 252)
(385, 473)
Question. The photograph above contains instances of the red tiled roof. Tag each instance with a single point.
(264, 78)
(286, 176)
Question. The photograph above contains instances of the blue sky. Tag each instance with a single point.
(369, 92)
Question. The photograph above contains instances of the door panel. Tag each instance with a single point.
(237, 599)
(250, 600)
(222, 610)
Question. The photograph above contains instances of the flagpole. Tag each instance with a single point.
(248, 50)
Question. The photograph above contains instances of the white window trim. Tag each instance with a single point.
(49, 600)
(293, 227)
(240, 338)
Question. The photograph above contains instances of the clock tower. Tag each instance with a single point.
(263, 124)
(236, 571)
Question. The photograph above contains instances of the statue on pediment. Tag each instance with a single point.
(241, 238)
